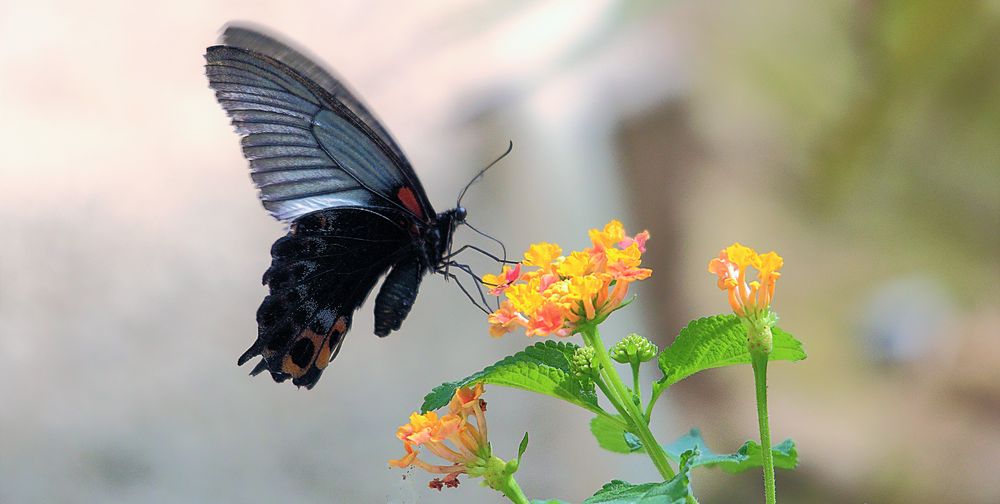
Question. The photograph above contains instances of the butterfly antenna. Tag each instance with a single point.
(510, 147)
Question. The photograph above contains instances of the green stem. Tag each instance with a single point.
(602, 380)
(759, 361)
(512, 491)
(635, 383)
(624, 421)
(622, 401)
(657, 390)
(599, 381)
(499, 475)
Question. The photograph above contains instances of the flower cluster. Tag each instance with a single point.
(469, 448)
(753, 298)
(560, 292)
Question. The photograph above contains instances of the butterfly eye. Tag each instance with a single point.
(461, 214)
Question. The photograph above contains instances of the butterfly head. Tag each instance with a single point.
(450, 220)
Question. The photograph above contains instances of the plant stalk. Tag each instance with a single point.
(512, 491)
(635, 384)
(654, 395)
(622, 401)
(759, 361)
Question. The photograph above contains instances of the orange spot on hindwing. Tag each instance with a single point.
(312, 349)
(332, 345)
(302, 353)
(409, 200)
(340, 326)
(288, 366)
(323, 359)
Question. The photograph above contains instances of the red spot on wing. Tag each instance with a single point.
(409, 200)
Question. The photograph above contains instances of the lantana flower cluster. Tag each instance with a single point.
(549, 293)
(751, 301)
(732, 265)
(451, 436)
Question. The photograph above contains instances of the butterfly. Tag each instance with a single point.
(354, 206)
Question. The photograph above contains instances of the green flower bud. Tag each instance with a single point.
(633, 348)
(582, 364)
(760, 339)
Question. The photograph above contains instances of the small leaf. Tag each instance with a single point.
(522, 447)
(749, 455)
(612, 435)
(675, 491)
(718, 341)
(784, 455)
(688, 458)
(542, 368)
(633, 441)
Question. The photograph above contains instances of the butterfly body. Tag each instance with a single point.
(355, 207)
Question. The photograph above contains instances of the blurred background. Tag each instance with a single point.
(859, 139)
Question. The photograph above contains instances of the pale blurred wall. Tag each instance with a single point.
(133, 245)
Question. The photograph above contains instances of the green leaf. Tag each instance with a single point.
(623, 492)
(633, 441)
(675, 491)
(612, 435)
(523, 446)
(542, 368)
(717, 341)
(749, 455)
(784, 455)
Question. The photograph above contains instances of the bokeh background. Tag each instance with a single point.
(859, 139)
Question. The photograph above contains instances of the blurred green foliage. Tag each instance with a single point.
(914, 152)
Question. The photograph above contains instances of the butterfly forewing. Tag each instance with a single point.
(307, 150)
(248, 38)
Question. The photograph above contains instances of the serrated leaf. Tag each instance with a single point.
(749, 455)
(623, 492)
(675, 491)
(784, 455)
(612, 435)
(718, 341)
(542, 368)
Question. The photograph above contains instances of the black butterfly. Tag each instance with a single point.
(356, 209)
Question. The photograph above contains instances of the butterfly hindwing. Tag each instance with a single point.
(320, 273)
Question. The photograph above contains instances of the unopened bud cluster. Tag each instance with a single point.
(582, 364)
(633, 348)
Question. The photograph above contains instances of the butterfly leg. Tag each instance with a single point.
(481, 251)
(465, 291)
(476, 280)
